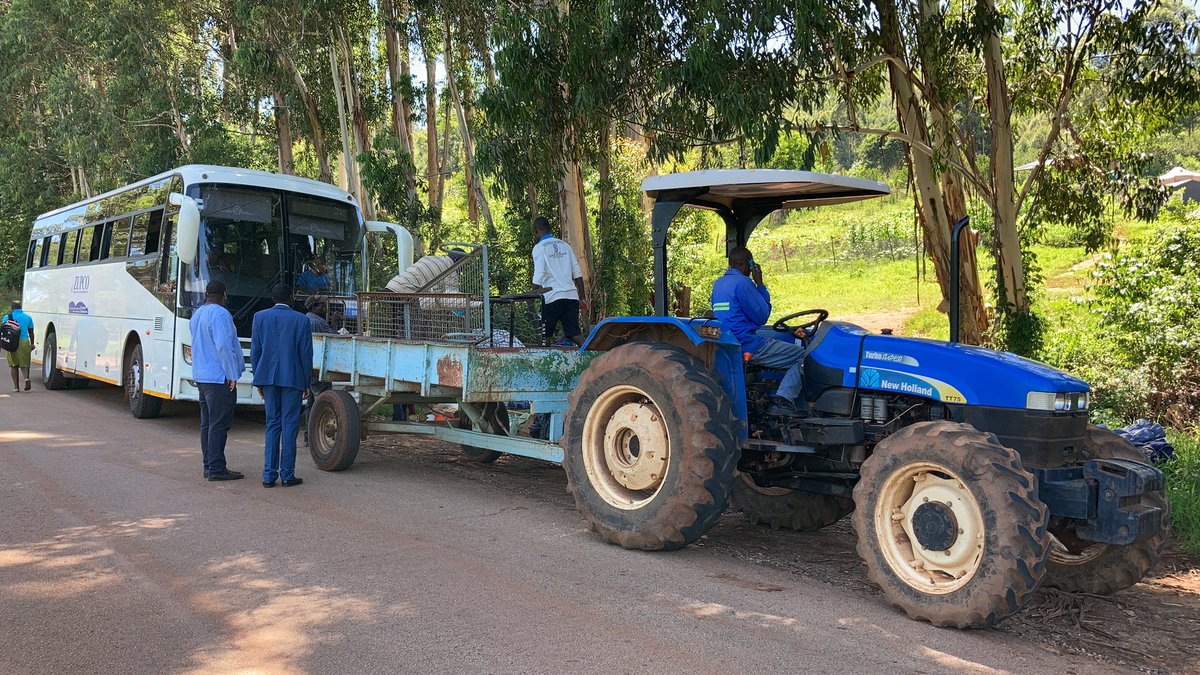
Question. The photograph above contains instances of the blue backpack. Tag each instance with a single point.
(10, 334)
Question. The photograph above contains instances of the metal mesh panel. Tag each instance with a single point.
(453, 307)
(516, 322)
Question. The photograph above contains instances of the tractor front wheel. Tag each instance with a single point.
(650, 447)
(1079, 566)
(950, 526)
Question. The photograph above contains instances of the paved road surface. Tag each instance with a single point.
(116, 556)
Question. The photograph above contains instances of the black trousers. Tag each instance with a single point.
(216, 419)
(564, 311)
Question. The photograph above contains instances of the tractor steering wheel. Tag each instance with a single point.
(805, 330)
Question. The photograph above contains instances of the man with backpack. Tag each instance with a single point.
(16, 338)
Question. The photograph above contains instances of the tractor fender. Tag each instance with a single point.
(718, 349)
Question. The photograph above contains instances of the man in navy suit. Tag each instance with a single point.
(281, 355)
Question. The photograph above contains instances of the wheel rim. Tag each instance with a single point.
(48, 359)
(930, 528)
(327, 431)
(135, 377)
(626, 447)
(767, 491)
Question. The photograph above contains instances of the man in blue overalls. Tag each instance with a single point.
(743, 304)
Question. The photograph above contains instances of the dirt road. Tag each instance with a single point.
(115, 555)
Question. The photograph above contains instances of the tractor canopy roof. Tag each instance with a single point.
(759, 190)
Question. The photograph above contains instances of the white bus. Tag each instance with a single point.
(112, 281)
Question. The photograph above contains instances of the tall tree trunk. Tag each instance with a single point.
(931, 203)
(394, 15)
(283, 133)
(571, 207)
(476, 199)
(314, 117)
(432, 170)
(358, 122)
(1004, 203)
(347, 164)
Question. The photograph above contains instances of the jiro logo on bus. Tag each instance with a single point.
(81, 283)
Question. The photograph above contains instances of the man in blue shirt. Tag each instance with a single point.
(743, 304)
(19, 360)
(217, 364)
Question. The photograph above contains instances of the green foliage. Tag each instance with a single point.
(1151, 297)
(1183, 490)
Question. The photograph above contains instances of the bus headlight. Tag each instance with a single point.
(1050, 401)
(187, 354)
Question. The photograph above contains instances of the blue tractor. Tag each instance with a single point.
(974, 476)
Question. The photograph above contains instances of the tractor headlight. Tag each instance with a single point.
(1050, 401)
(187, 354)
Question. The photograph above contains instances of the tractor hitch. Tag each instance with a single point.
(1105, 494)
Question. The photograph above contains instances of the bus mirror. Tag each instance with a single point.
(404, 242)
(187, 232)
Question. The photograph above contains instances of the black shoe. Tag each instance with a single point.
(291, 482)
(268, 484)
(781, 407)
(226, 475)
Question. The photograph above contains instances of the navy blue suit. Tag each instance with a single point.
(281, 356)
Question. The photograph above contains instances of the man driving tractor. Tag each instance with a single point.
(742, 303)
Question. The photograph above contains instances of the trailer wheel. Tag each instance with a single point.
(788, 509)
(495, 419)
(142, 405)
(1079, 566)
(649, 448)
(52, 377)
(950, 526)
(334, 430)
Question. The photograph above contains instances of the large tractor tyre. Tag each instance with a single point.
(142, 405)
(52, 377)
(788, 509)
(950, 526)
(334, 430)
(1079, 566)
(650, 447)
(495, 421)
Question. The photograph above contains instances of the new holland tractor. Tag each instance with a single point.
(973, 475)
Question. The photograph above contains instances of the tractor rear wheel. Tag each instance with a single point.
(1079, 566)
(788, 509)
(495, 421)
(950, 526)
(650, 447)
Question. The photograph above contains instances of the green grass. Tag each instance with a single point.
(853, 288)
(1183, 491)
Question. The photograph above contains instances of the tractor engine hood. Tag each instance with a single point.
(942, 371)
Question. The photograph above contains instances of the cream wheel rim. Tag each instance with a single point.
(626, 447)
(930, 528)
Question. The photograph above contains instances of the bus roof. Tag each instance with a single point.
(205, 173)
(777, 188)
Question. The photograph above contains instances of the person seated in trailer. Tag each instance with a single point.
(742, 303)
(315, 277)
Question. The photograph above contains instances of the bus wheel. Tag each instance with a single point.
(142, 405)
(334, 430)
(52, 377)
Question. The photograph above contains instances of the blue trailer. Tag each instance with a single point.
(973, 475)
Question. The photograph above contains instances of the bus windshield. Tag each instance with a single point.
(253, 238)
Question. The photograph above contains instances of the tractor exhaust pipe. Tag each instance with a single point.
(955, 274)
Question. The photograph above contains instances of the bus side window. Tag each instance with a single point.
(168, 266)
(137, 240)
(98, 250)
(85, 245)
(119, 239)
(105, 240)
(45, 252)
(153, 231)
(52, 250)
(70, 239)
(35, 254)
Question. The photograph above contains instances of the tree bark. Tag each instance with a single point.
(931, 202)
(358, 122)
(477, 203)
(571, 207)
(432, 170)
(396, 14)
(283, 134)
(313, 113)
(1009, 264)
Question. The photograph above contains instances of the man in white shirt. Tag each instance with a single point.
(556, 275)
